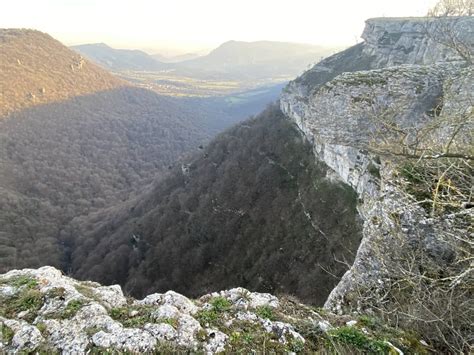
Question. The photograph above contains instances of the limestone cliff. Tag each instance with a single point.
(43, 311)
(401, 70)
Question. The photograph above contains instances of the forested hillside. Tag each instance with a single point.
(253, 209)
(83, 140)
(37, 69)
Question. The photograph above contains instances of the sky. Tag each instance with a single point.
(179, 26)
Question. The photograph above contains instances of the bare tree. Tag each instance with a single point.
(447, 26)
(452, 8)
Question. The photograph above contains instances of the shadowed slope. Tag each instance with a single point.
(69, 158)
(253, 209)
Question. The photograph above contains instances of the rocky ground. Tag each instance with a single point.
(43, 311)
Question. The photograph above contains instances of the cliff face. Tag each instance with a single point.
(397, 41)
(401, 71)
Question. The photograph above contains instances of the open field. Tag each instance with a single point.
(171, 84)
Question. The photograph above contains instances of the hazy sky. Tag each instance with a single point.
(190, 25)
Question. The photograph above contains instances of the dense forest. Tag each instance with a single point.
(253, 209)
(70, 158)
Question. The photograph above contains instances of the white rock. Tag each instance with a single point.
(26, 337)
(110, 296)
(129, 339)
(182, 303)
(162, 331)
(23, 314)
(151, 300)
(246, 316)
(351, 323)
(324, 325)
(263, 299)
(166, 312)
(187, 331)
(284, 331)
(66, 336)
(216, 341)
(7, 290)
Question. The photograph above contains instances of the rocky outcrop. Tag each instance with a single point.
(340, 116)
(402, 73)
(41, 310)
(397, 41)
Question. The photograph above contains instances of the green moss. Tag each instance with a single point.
(368, 321)
(41, 327)
(265, 312)
(213, 316)
(7, 334)
(374, 170)
(296, 345)
(118, 313)
(71, 309)
(123, 315)
(20, 281)
(249, 337)
(220, 304)
(139, 321)
(27, 299)
(31, 300)
(353, 337)
(207, 317)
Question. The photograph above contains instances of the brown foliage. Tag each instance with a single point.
(36, 69)
(254, 209)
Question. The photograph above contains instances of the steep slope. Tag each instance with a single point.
(119, 59)
(36, 69)
(401, 135)
(253, 209)
(88, 142)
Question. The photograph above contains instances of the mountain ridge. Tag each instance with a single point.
(232, 59)
(30, 76)
(119, 59)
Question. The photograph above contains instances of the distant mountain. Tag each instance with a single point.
(234, 60)
(119, 59)
(263, 59)
(175, 59)
(37, 69)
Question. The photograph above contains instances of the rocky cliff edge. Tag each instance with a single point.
(42, 310)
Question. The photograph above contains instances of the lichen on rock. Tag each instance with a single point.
(226, 321)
